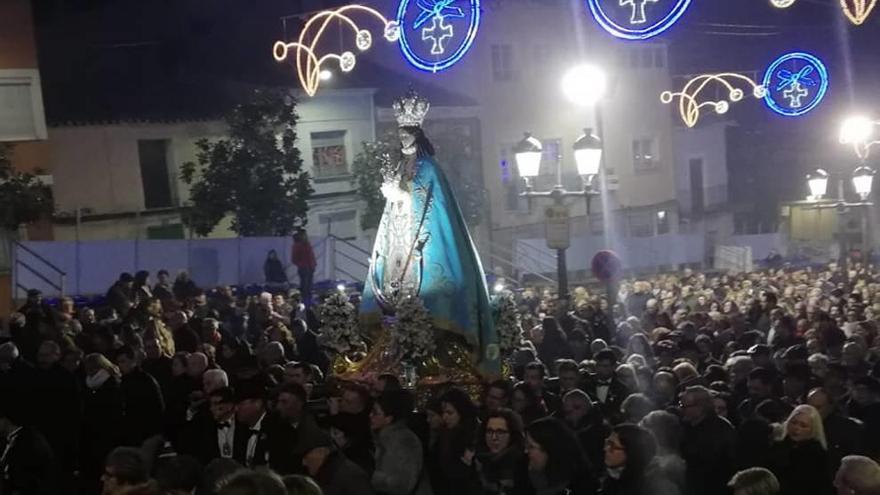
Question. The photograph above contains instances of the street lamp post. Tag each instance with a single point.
(862, 181)
(582, 85)
(587, 156)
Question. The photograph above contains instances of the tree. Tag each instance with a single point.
(23, 197)
(255, 175)
(367, 170)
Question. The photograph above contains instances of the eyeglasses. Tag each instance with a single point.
(496, 433)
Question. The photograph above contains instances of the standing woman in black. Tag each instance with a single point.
(800, 460)
(450, 460)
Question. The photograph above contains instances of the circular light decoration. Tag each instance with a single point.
(795, 83)
(435, 34)
(637, 19)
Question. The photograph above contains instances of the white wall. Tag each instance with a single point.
(708, 142)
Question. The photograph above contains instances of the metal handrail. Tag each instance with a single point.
(350, 244)
(40, 257)
(352, 259)
(511, 264)
(39, 275)
(541, 252)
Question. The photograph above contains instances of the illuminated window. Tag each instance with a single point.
(328, 154)
(662, 222)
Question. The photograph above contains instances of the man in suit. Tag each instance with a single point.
(212, 436)
(27, 464)
(604, 388)
(251, 440)
(295, 425)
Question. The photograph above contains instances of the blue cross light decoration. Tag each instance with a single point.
(637, 19)
(435, 34)
(796, 83)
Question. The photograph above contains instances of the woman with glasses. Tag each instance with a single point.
(500, 453)
(629, 468)
(556, 463)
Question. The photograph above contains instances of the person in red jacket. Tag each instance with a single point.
(303, 257)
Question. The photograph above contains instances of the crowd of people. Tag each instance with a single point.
(687, 384)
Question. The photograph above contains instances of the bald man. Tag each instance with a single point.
(844, 434)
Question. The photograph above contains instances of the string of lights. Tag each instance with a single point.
(308, 64)
(689, 107)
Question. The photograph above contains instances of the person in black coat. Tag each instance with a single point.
(57, 407)
(212, 436)
(27, 465)
(800, 460)
(843, 434)
(604, 388)
(120, 296)
(143, 407)
(556, 463)
(335, 474)
(708, 443)
(102, 417)
(449, 460)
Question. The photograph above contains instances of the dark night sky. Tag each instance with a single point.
(108, 59)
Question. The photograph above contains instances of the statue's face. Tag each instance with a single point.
(407, 139)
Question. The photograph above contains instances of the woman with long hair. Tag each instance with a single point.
(273, 270)
(630, 451)
(800, 459)
(450, 461)
(500, 452)
(556, 462)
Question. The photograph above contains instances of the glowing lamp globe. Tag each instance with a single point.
(818, 183)
(863, 180)
(584, 84)
(528, 154)
(856, 130)
(325, 75)
(588, 153)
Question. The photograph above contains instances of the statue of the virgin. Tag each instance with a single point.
(423, 247)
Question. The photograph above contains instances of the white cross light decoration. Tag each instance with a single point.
(688, 105)
(308, 64)
(795, 93)
(638, 10)
(437, 34)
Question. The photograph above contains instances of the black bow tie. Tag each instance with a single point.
(604, 383)
(223, 425)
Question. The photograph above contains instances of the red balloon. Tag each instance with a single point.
(606, 266)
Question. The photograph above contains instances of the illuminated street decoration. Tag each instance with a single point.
(637, 19)
(689, 105)
(435, 34)
(308, 63)
(638, 10)
(796, 83)
(782, 4)
(857, 11)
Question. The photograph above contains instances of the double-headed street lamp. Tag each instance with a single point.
(582, 85)
(587, 157)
